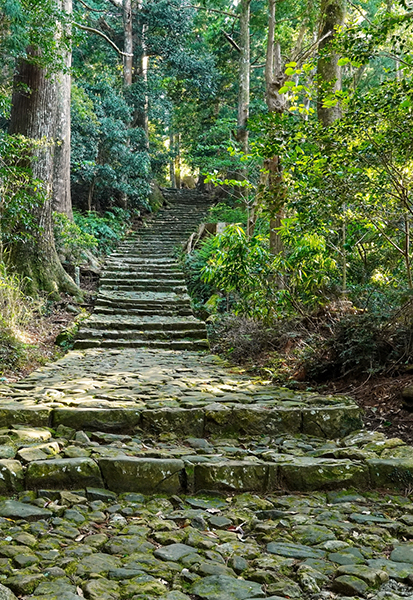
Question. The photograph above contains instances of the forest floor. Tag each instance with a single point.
(380, 397)
(39, 336)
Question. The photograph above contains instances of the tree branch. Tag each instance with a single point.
(231, 41)
(105, 37)
(305, 53)
(90, 8)
(362, 13)
(221, 12)
(117, 3)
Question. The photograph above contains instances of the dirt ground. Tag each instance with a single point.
(380, 398)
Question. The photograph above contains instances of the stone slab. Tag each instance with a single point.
(389, 473)
(11, 476)
(94, 419)
(12, 509)
(19, 414)
(63, 473)
(145, 475)
(183, 422)
(331, 422)
(307, 474)
(231, 476)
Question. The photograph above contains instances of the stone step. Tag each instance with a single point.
(142, 286)
(151, 242)
(119, 450)
(144, 266)
(146, 301)
(102, 333)
(116, 275)
(191, 345)
(145, 312)
(149, 255)
(145, 324)
(169, 265)
(148, 278)
(149, 307)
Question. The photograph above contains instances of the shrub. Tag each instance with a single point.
(108, 229)
(71, 240)
(16, 311)
(360, 344)
(240, 338)
(96, 233)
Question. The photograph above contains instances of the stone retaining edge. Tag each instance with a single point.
(170, 476)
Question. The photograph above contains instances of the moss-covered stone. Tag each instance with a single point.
(390, 473)
(331, 421)
(145, 475)
(217, 587)
(94, 419)
(231, 476)
(307, 474)
(20, 414)
(22, 585)
(101, 589)
(183, 422)
(63, 473)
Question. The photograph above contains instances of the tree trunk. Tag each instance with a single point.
(274, 80)
(328, 70)
(128, 42)
(62, 201)
(178, 162)
(141, 117)
(171, 160)
(33, 115)
(244, 76)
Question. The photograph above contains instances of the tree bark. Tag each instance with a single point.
(128, 42)
(171, 160)
(33, 115)
(244, 76)
(328, 70)
(178, 161)
(62, 201)
(141, 117)
(276, 102)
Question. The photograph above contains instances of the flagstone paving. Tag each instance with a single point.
(133, 469)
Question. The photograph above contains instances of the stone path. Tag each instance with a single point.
(138, 469)
(143, 300)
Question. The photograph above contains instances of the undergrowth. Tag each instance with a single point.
(90, 233)
(329, 345)
(16, 312)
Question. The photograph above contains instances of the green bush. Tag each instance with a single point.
(224, 213)
(239, 338)
(71, 240)
(108, 229)
(96, 233)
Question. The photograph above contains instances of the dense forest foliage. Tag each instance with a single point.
(297, 115)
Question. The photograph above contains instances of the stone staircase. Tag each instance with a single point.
(135, 407)
(143, 299)
(140, 471)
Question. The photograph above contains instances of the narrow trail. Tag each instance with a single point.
(139, 466)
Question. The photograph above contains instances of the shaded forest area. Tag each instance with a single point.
(296, 116)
